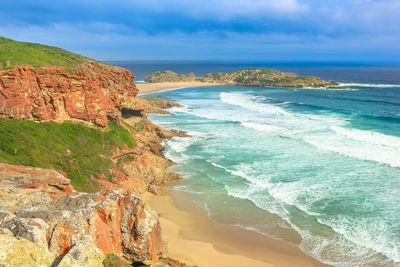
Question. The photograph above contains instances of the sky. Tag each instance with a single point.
(269, 30)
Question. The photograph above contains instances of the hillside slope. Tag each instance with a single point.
(14, 53)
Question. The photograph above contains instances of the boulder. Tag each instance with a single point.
(16, 251)
(58, 219)
(84, 253)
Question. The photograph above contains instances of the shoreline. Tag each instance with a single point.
(145, 88)
(210, 243)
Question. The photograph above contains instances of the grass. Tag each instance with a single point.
(79, 150)
(113, 260)
(14, 53)
(262, 70)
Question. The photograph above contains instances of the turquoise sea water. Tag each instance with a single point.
(319, 168)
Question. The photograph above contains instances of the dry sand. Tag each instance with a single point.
(154, 87)
(195, 239)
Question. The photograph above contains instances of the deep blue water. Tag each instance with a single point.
(341, 72)
(319, 168)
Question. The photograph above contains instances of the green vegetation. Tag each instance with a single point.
(170, 76)
(249, 77)
(262, 70)
(137, 127)
(79, 150)
(216, 75)
(14, 53)
(113, 260)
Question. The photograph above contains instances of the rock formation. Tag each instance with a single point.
(43, 220)
(41, 213)
(94, 93)
(139, 107)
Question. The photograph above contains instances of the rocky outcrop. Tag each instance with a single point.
(139, 107)
(143, 168)
(146, 163)
(94, 93)
(84, 253)
(43, 220)
(40, 207)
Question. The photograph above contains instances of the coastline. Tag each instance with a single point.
(147, 88)
(156, 87)
(209, 243)
(76, 185)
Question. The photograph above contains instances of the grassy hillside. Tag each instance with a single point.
(80, 151)
(14, 53)
(170, 76)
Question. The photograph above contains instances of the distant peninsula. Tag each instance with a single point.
(245, 77)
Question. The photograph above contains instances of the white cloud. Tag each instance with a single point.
(89, 40)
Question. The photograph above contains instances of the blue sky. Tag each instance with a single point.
(275, 30)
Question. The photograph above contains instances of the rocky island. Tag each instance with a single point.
(246, 77)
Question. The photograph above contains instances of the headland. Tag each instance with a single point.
(83, 179)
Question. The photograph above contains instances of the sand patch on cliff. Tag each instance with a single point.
(155, 87)
(194, 239)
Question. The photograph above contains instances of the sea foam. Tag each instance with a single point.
(345, 210)
(359, 144)
(380, 85)
(251, 103)
(323, 132)
(265, 127)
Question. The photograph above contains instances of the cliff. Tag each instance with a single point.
(39, 82)
(40, 208)
(77, 125)
(43, 215)
(94, 94)
(246, 77)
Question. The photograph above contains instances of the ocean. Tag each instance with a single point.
(318, 168)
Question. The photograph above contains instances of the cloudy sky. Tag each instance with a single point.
(277, 30)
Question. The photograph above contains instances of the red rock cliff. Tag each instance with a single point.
(40, 205)
(95, 94)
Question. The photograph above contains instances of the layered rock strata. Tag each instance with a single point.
(40, 212)
(94, 93)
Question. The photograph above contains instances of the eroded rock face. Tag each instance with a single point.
(95, 94)
(84, 253)
(139, 107)
(60, 218)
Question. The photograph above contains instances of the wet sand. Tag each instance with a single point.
(195, 239)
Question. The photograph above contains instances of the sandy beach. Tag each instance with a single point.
(155, 87)
(195, 239)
